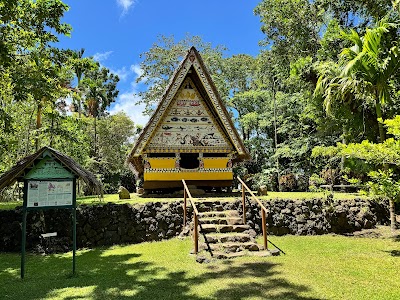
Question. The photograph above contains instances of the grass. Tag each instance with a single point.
(310, 195)
(140, 199)
(315, 267)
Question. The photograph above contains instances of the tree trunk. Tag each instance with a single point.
(38, 125)
(95, 137)
(52, 129)
(343, 159)
(382, 135)
(393, 226)
(79, 97)
(276, 136)
(28, 134)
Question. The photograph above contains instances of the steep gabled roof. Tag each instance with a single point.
(23, 167)
(192, 61)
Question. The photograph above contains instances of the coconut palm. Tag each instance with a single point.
(365, 73)
(80, 66)
(100, 91)
(365, 69)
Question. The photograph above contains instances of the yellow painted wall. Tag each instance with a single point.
(174, 176)
(162, 163)
(215, 163)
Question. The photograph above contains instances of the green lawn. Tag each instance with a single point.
(315, 267)
(135, 198)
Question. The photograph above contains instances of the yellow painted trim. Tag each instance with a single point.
(163, 163)
(174, 176)
(215, 163)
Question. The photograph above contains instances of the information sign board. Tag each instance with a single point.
(45, 193)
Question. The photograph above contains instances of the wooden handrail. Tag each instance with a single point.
(264, 211)
(186, 193)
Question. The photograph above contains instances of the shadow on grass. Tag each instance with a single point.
(394, 253)
(103, 274)
(397, 238)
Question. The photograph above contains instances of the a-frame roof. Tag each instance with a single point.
(192, 65)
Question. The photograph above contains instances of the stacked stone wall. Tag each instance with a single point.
(109, 224)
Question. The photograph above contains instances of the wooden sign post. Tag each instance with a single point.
(48, 185)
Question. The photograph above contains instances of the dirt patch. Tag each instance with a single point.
(382, 232)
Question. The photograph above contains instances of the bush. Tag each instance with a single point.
(330, 175)
(288, 183)
(12, 193)
(314, 182)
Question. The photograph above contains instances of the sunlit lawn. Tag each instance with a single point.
(138, 199)
(315, 267)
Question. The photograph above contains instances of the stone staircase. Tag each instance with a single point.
(223, 234)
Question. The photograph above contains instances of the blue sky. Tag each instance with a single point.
(116, 32)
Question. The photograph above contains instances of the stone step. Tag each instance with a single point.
(235, 247)
(201, 207)
(224, 213)
(219, 220)
(223, 255)
(223, 228)
(213, 238)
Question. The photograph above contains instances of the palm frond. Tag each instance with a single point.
(352, 65)
(392, 63)
(353, 37)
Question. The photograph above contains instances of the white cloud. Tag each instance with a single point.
(101, 56)
(68, 102)
(126, 5)
(122, 73)
(127, 99)
(137, 70)
(127, 102)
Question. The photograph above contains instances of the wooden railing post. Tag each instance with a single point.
(264, 228)
(184, 207)
(196, 234)
(244, 204)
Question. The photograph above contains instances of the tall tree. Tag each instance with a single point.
(161, 60)
(34, 67)
(366, 69)
(80, 66)
(100, 91)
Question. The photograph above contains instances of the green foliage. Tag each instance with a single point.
(302, 105)
(384, 184)
(314, 182)
(161, 60)
(291, 27)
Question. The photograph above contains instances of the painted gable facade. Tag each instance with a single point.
(190, 135)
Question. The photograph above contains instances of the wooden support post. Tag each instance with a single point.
(74, 240)
(264, 229)
(184, 206)
(23, 243)
(244, 204)
(196, 234)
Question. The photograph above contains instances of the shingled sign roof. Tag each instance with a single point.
(23, 167)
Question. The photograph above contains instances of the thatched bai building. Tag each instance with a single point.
(190, 135)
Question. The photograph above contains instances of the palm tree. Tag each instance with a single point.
(100, 91)
(366, 69)
(80, 65)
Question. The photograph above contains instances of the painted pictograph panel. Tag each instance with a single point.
(189, 124)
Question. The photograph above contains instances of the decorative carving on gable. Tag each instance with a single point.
(215, 103)
(179, 103)
(188, 124)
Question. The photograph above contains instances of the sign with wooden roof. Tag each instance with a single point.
(189, 130)
(49, 163)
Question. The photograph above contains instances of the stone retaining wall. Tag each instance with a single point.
(108, 224)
